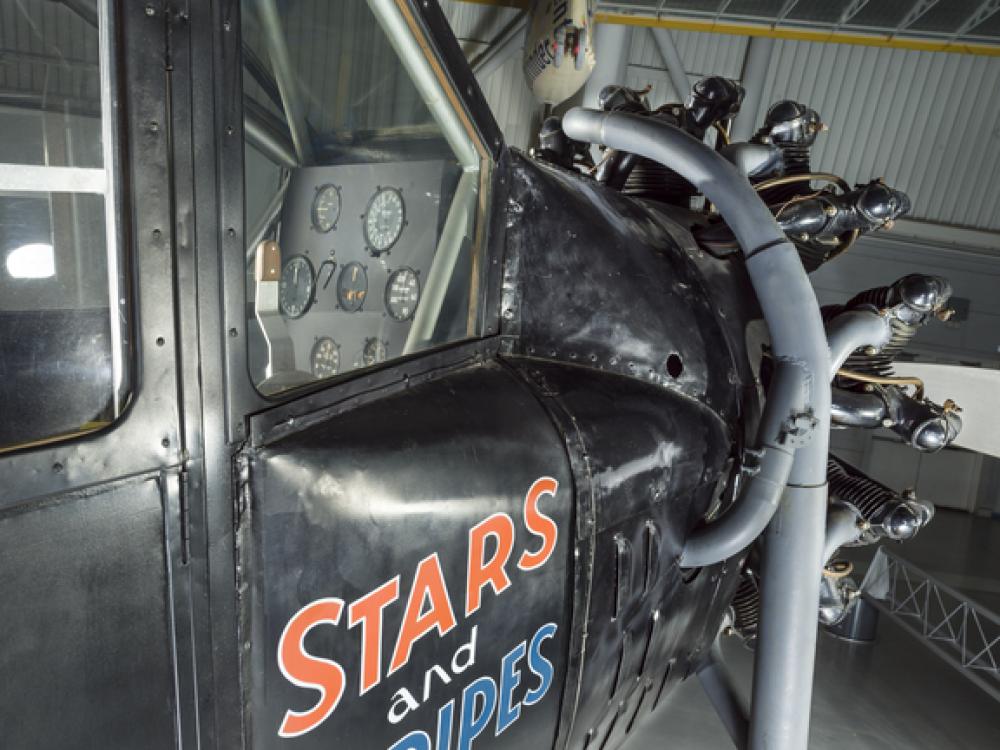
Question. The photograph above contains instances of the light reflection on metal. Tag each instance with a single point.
(117, 301)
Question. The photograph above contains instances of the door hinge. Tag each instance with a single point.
(185, 509)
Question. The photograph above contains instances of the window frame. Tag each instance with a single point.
(105, 181)
(424, 26)
(148, 435)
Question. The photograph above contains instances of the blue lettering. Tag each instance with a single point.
(539, 665)
(444, 725)
(413, 741)
(510, 678)
(471, 725)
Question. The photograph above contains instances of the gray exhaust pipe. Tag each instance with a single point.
(794, 544)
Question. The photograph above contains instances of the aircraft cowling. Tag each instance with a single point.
(502, 572)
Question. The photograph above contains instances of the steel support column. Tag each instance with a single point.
(755, 69)
(612, 45)
(672, 62)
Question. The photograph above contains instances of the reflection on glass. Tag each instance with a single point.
(50, 79)
(61, 361)
(356, 162)
(34, 261)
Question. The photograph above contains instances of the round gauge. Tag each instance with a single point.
(297, 287)
(402, 293)
(374, 351)
(326, 208)
(384, 219)
(352, 287)
(325, 358)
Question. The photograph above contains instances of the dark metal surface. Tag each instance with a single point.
(653, 462)
(596, 279)
(86, 656)
(147, 570)
(346, 504)
(639, 346)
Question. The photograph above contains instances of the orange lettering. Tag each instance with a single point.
(368, 611)
(428, 584)
(481, 572)
(539, 524)
(309, 671)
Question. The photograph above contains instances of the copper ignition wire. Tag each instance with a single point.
(838, 569)
(862, 377)
(792, 179)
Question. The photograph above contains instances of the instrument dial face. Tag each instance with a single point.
(352, 287)
(384, 220)
(374, 351)
(297, 287)
(326, 208)
(402, 293)
(325, 358)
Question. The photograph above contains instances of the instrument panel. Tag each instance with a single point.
(357, 245)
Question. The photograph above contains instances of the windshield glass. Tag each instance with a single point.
(363, 192)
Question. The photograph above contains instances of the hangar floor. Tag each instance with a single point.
(891, 695)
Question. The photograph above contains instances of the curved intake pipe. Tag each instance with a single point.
(852, 330)
(852, 409)
(786, 298)
(783, 671)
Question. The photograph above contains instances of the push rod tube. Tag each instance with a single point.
(850, 409)
(793, 552)
(847, 332)
(841, 528)
(853, 329)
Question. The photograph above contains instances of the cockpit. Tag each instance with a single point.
(363, 194)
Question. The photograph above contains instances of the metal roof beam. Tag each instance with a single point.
(850, 12)
(504, 45)
(914, 14)
(667, 48)
(925, 41)
(83, 10)
(979, 15)
(723, 7)
(787, 8)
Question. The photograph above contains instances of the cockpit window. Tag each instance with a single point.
(363, 192)
(63, 336)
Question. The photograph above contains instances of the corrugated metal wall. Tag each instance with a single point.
(927, 122)
(515, 108)
(703, 54)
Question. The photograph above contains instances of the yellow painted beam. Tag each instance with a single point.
(796, 34)
(522, 4)
(802, 35)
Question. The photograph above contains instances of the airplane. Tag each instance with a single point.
(330, 420)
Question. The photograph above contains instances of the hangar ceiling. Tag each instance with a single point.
(963, 21)
(952, 22)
